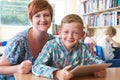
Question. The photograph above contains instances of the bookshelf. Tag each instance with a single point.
(55, 29)
(100, 13)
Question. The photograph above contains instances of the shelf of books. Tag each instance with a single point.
(55, 29)
(100, 13)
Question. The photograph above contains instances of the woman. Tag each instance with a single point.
(22, 49)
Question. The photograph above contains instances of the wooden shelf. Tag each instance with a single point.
(106, 10)
(118, 26)
(106, 15)
(83, 1)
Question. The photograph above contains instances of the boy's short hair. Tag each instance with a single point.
(72, 18)
(110, 31)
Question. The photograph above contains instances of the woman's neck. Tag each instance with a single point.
(36, 42)
(39, 36)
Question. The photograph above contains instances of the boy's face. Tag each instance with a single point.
(70, 34)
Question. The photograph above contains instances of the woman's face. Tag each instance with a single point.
(41, 21)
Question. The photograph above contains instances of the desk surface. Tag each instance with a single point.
(111, 74)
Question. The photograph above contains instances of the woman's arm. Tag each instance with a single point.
(7, 68)
(40, 67)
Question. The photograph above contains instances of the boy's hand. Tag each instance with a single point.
(24, 67)
(63, 74)
(101, 73)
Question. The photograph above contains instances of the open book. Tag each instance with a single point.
(88, 69)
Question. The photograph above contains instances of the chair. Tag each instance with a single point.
(2, 46)
(115, 62)
(99, 52)
(3, 43)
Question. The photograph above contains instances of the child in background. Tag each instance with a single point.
(89, 40)
(64, 53)
(89, 35)
(106, 42)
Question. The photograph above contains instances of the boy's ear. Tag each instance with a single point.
(83, 33)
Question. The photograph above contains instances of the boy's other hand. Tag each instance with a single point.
(100, 74)
(63, 74)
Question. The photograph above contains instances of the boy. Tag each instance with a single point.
(65, 52)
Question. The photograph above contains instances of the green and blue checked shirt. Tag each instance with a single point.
(55, 56)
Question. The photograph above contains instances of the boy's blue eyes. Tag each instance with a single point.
(75, 32)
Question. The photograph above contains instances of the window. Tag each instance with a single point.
(59, 7)
(14, 13)
(60, 10)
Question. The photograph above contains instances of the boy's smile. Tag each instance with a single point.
(70, 34)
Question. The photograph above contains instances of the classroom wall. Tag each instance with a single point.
(72, 6)
(7, 32)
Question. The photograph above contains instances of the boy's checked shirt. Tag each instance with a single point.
(55, 56)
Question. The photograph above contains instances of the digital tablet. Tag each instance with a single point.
(88, 69)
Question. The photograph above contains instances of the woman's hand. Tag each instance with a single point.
(63, 74)
(24, 67)
(101, 73)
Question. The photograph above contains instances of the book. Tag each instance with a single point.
(118, 2)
